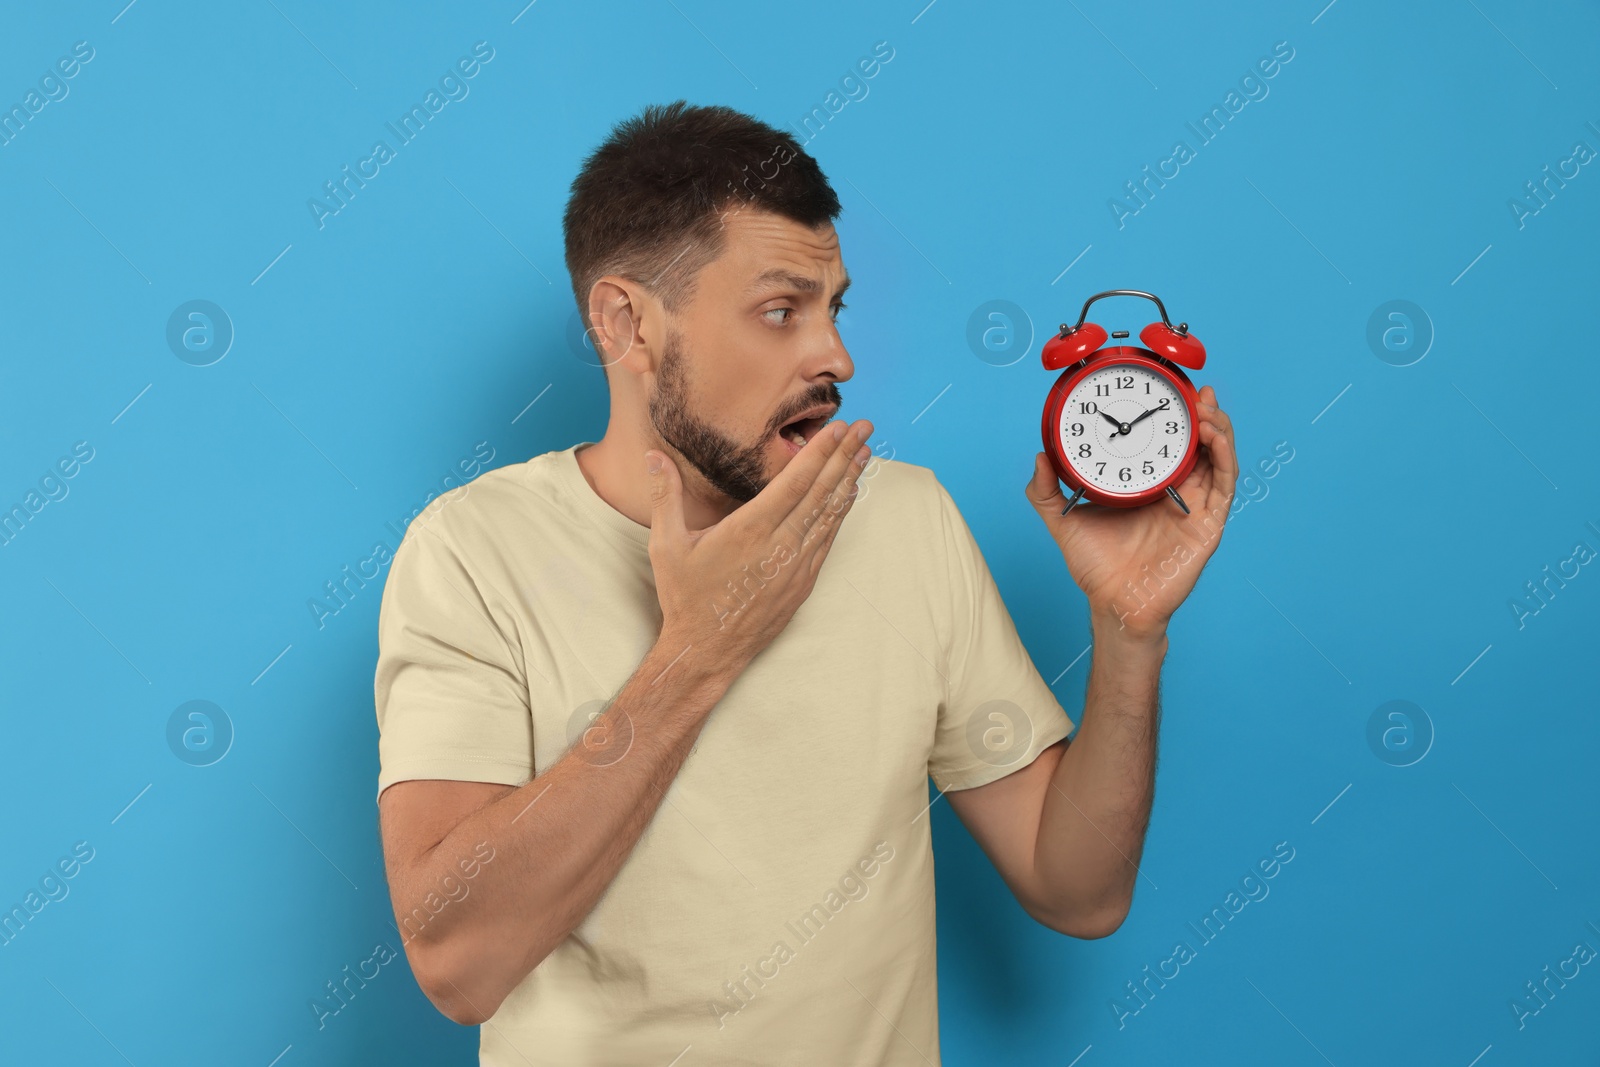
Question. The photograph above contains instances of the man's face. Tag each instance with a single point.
(754, 349)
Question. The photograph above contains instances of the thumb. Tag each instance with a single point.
(1044, 489)
(666, 498)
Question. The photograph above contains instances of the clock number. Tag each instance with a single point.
(1083, 451)
(1149, 468)
(1077, 429)
(1163, 451)
(1124, 381)
(1100, 468)
(1166, 402)
(1102, 390)
(1172, 427)
(1088, 408)
(1147, 387)
(1125, 473)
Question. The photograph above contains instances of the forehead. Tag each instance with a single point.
(756, 242)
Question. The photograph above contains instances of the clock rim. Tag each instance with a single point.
(1095, 361)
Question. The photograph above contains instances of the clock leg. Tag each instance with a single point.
(1073, 502)
(1173, 493)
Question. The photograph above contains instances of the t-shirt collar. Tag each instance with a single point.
(591, 503)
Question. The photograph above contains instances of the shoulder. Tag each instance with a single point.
(906, 504)
(906, 495)
(495, 501)
(900, 485)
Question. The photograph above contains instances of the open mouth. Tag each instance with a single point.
(795, 434)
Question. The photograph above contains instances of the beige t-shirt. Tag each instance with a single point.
(779, 908)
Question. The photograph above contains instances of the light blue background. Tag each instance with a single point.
(429, 313)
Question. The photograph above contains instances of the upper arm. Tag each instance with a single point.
(452, 701)
(998, 713)
(1003, 816)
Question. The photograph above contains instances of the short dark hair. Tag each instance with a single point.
(648, 202)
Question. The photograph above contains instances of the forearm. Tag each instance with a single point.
(560, 839)
(1093, 821)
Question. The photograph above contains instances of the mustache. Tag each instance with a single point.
(824, 394)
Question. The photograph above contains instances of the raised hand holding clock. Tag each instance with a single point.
(1158, 493)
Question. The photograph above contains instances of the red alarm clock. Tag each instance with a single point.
(1119, 424)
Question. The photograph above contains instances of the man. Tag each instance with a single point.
(657, 721)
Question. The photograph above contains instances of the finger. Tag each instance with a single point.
(666, 501)
(817, 527)
(836, 466)
(1215, 414)
(852, 461)
(850, 482)
(1218, 418)
(1044, 488)
(773, 505)
(1218, 442)
(830, 508)
(835, 523)
(1044, 491)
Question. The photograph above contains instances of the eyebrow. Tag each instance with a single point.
(779, 278)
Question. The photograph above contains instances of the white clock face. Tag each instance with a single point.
(1124, 428)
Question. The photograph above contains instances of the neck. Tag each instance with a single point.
(614, 469)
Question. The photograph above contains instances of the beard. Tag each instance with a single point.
(734, 468)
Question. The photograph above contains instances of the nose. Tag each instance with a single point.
(830, 358)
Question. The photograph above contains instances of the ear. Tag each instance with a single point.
(617, 309)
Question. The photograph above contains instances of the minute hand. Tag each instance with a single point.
(1137, 418)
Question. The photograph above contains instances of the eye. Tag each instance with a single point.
(787, 313)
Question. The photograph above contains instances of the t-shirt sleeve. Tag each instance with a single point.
(998, 713)
(452, 699)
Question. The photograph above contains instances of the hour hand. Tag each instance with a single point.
(1112, 419)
